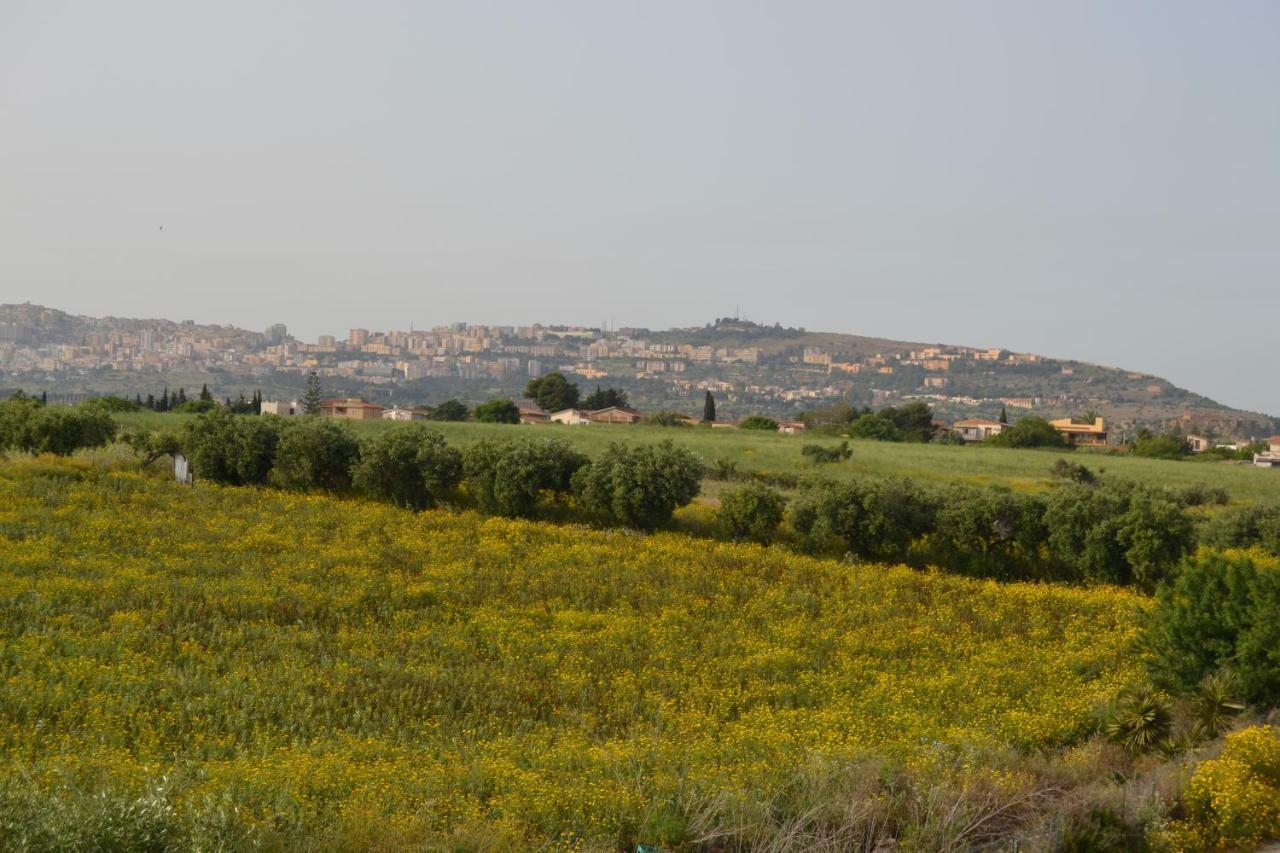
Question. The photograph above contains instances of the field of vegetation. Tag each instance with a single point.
(220, 665)
(1018, 469)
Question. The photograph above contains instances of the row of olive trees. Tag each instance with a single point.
(413, 466)
(1112, 532)
(29, 426)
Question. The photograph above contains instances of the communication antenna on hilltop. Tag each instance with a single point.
(737, 311)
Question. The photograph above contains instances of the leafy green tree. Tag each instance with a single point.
(150, 445)
(759, 422)
(752, 512)
(1117, 533)
(639, 486)
(914, 422)
(604, 398)
(410, 465)
(876, 427)
(312, 397)
(450, 410)
(875, 519)
(227, 449)
(709, 409)
(509, 478)
(1031, 432)
(990, 533)
(1161, 447)
(498, 412)
(1249, 527)
(1218, 612)
(110, 404)
(315, 453)
(61, 430)
(553, 392)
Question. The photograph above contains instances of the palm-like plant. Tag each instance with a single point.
(1140, 720)
(1214, 702)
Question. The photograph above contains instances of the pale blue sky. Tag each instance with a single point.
(1096, 180)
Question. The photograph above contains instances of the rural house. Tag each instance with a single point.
(615, 415)
(351, 408)
(280, 407)
(572, 417)
(974, 430)
(1082, 435)
(1271, 458)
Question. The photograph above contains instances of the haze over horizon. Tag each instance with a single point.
(1091, 182)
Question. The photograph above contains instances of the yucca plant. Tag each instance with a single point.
(1140, 720)
(1215, 702)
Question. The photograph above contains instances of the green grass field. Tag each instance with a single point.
(1023, 470)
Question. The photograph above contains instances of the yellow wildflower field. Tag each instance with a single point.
(323, 665)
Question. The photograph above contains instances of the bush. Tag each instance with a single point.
(752, 512)
(1220, 611)
(151, 445)
(1140, 720)
(230, 449)
(410, 465)
(666, 419)
(508, 478)
(1161, 447)
(63, 431)
(1202, 494)
(875, 427)
(1073, 473)
(315, 453)
(451, 410)
(1233, 801)
(1117, 533)
(723, 468)
(989, 533)
(29, 426)
(1031, 432)
(820, 454)
(1249, 527)
(498, 412)
(759, 422)
(111, 404)
(874, 519)
(639, 486)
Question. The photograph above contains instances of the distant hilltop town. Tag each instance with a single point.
(751, 367)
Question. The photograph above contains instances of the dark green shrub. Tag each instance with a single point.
(409, 465)
(639, 486)
(723, 468)
(1161, 447)
(1117, 533)
(1219, 612)
(498, 412)
(1073, 473)
(753, 511)
(1030, 432)
(1202, 494)
(820, 454)
(1248, 527)
(990, 533)
(63, 431)
(759, 422)
(509, 478)
(451, 410)
(315, 453)
(875, 519)
(230, 449)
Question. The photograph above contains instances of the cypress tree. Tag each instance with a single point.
(182, 396)
(1004, 416)
(311, 397)
(204, 392)
(709, 409)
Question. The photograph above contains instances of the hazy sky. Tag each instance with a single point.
(1095, 180)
